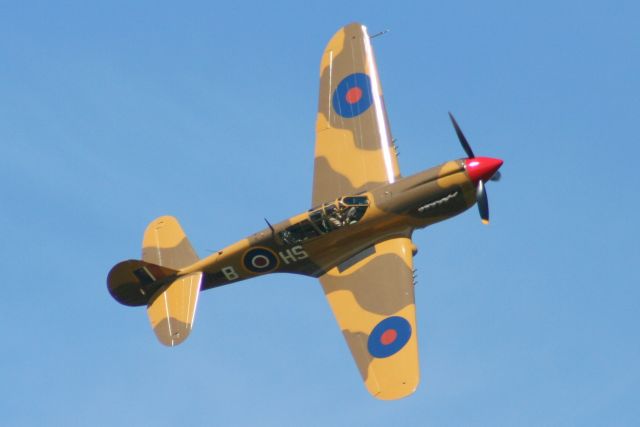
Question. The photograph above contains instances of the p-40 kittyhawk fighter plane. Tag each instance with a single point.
(356, 238)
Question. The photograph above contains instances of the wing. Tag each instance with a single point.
(371, 296)
(354, 149)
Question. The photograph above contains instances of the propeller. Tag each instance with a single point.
(462, 138)
(480, 170)
(483, 202)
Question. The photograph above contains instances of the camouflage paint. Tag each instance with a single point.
(365, 268)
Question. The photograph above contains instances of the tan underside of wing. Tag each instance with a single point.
(373, 302)
(354, 150)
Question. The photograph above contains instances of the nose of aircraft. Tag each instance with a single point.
(482, 168)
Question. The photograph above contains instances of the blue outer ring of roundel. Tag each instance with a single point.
(262, 253)
(403, 330)
(340, 103)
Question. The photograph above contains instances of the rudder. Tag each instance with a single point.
(134, 282)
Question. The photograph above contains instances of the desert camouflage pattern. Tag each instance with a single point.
(172, 309)
(165, 243)
(376, 288)
(353, 153)
(356, 238)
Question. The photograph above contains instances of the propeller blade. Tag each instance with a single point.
(483, 202)
(461, 137)
(489, 164)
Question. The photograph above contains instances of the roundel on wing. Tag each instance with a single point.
(389, 336)
(260, 260)
(353, 95)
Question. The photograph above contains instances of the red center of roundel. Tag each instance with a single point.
(388, 336)
(260, 261)
(353, 95)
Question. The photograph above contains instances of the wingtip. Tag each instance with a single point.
(396, 393)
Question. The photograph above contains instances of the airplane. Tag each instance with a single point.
(356, 238)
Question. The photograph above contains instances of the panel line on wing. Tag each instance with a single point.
(377, 100)
(156, 234)
(359, 133)
(345, 265)
(330, 80)
(166, 308)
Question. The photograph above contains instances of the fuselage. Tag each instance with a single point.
(341, 231)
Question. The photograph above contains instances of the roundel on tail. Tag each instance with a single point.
(353, 95)
(389, 336)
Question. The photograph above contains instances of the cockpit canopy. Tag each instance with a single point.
(329, 217)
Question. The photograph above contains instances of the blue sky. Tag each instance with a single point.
(113, 113)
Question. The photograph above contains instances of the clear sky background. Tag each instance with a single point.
(113, 113)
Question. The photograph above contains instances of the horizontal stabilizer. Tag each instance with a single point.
(173, 309)
(166, 244)
(154, 281)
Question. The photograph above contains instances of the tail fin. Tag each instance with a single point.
(171, 299)
(135, 282)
